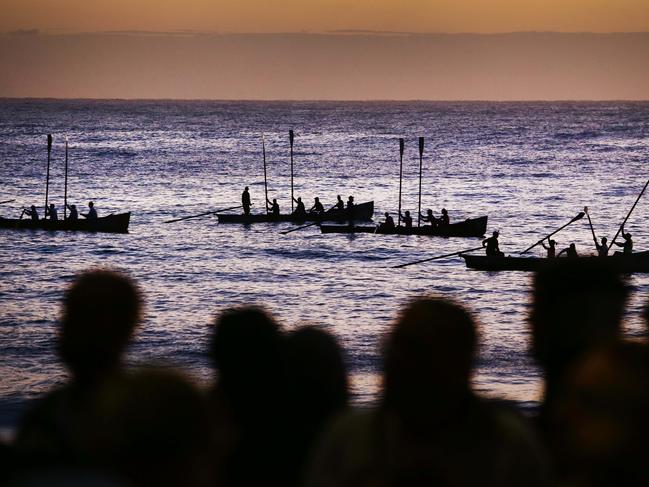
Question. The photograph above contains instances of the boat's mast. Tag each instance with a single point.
(47, 180)
(421, 162)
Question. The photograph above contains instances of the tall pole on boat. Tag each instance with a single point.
(291, 136)
(263, 149)
(65, 191)
(421, 163)
(47, 180)
(400, 175)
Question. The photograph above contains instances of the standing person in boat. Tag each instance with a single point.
(32, 212)
(273, 207)
(245, 201)
(491, 244)
(571, 252)
(52, 212)
(552, 249)
(317, 207)
(74, 214)
(407, 219)
(444, 220)
(430, 218)
(92, 212)
(388, 224)
(627, 245)
(300, 209)
(602, 248)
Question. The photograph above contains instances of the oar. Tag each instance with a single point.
(47, 181)
(65, 193)
(401, 143)
(579, 216)
(421, 162)
(291, 137)
(438, 257)
(203, 214)
(590, 223)
(7, 201)
(630, 211)
(263, 148)
(307, 225)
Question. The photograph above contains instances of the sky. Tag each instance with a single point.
(326, 49)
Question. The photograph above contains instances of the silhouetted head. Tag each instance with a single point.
(604, 240)
(572, 246)
(299, 199)
(577, 305)
(32, 207)
(444, 212)
(52, 205)
(100, 312)
(351, 198)
(91, 204)
(429, 212)
(247, 351)
(154, 429)
(74, 207)
(387, 214)
(601, 416)
(552, 243)
(339, 198)
(495, 234)
(246, 189)
(407, 213)
(317, 379)
(274, 200)
(626, 236)
(428, 358)
(316, 199)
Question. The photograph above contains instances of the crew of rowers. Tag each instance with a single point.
(51, 213)
(300, 208)
(492, 249)
(406, 218)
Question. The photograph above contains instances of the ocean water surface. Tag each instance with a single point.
(530, 166)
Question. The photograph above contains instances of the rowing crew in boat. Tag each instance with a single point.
(441, 222)
(53, 213)
(300, 210)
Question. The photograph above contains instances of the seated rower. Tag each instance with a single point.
(51, 212)
(273, 207)
(340, 204)
(444, 220)
(551, 249)
(491, 244)
(570, 252)
(32, 212)
(602, 248)
(300, 210)
(430, 218)
(317, 207)
(388, 224)
(74, 214)
(350, 210)
(627, 245)
(407, 219)
(92, 212)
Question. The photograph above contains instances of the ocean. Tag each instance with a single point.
(530, 167)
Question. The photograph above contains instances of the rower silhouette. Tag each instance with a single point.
(627, 245)
(570, 251)
(92, 212)
(340, 204)
(31, 212)
(444, 220)
(430, 218)
(300, 210)
(52, 212)
(350, 210)
(407, 219)
(317, 207)
(491, 244)
(602, 248)
(74, 214)
(245, 201)
(388, 224)
(552, 248)
(273, 207)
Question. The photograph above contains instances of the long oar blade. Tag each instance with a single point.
(7, 201)
(436, 257)
(202, 214)
(300, 228)
(579, 216)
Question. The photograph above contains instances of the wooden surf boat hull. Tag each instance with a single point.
(635, 263)
(108, 224)
(473, 227)
(362, 212)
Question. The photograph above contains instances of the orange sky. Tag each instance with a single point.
(483, 16)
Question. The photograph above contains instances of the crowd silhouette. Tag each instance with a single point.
(278, 412)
